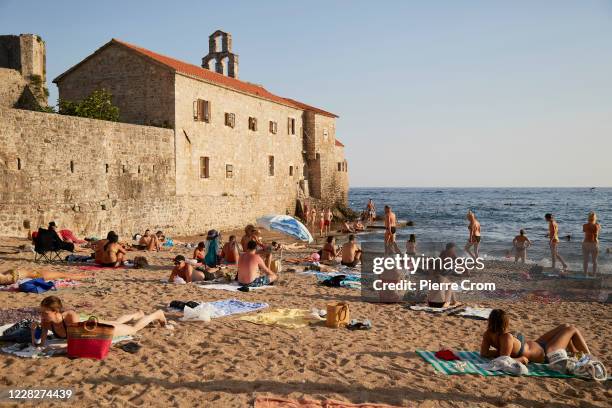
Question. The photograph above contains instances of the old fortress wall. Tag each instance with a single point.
(92, 176)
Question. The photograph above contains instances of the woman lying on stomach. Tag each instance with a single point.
(504, 343)
(54, 318)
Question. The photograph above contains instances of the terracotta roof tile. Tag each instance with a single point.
(211, 76)
(339, 143)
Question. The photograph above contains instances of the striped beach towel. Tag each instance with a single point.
(472, 363)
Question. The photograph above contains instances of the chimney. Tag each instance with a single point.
(220, 57)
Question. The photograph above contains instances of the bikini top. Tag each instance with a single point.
(65, 330)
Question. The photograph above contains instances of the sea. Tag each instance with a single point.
(439, 216)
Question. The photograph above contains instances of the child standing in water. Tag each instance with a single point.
(520, 243)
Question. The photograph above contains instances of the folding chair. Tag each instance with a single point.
(46, 246)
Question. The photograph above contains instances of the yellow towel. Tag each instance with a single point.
(289, 318)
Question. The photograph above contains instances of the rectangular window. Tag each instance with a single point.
(291, 170)
(273, 127)
(291, 126)
(106, 168)
(339, 166)
(201, 110)
(230, 119)
(252, 123)
(18, 163)
(204, 167)
(270, 165)
(229, 171)
(325, 134)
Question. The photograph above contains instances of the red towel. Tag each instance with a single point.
(69, 236)
(446, 354)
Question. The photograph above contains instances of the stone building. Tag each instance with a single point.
(199, 149)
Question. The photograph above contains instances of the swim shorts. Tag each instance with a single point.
(327, 223)
(259, 281)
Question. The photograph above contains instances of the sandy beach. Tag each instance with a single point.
(228, 362)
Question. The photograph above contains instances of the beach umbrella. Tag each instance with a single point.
(287, 225)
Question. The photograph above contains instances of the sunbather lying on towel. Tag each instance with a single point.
(504, 343)
(13, 275)
(249, 267)
(54, 318)
(185, 271)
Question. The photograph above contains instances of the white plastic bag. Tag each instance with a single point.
(202, 312)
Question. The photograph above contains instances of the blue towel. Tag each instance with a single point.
(233, 306)
(37, 285)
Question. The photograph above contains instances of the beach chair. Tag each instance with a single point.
(46, 246)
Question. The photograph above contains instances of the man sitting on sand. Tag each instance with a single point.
(443, 297)
(351, 253)
(184, 271)
(249, 267)
(109, 252)
(230, 252)
(149, 242)
(329, 252)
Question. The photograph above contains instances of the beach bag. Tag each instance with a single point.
(276, 266)
(89, 339)
(334, 281)
(37, 285)
(337, 314)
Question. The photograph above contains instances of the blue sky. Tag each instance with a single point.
(429, 93)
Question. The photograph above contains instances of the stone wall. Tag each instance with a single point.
(92, 176)
(13, 86)
(88, 175)
(142, 90)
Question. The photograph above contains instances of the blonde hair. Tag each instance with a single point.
(592, 217)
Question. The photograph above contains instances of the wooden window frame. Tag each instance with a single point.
(201, 110)
(204, 167)
(229, 171)
(253, 123)
(271, 166)
(230, 119)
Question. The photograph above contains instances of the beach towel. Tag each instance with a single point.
(99, 267)
(429, 309)
(68, 235)
(234, 306)
(479, 313)
(54, 347)
(472, 363)
(278, 402)
(574, 277)
(231, 287)
(228, 307)
(288, 318)
(37, 285)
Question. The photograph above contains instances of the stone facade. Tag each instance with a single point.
(143, 91)
(201, 173)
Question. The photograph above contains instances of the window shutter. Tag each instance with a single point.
(195, 110)
(206, 111)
